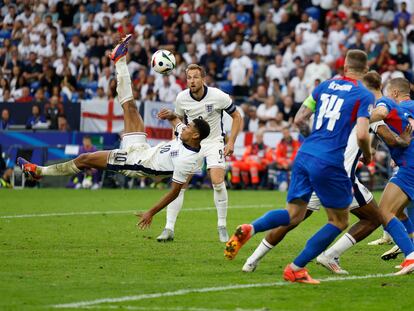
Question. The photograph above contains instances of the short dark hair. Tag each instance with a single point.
(401, 84)
(356, 60)
(202, 127)
(372, 80)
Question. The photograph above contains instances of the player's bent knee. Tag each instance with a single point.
(219, 186)
(83, 159)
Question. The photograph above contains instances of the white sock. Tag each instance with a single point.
(410, 256)
(173, 209)
(61, 169)
(220, 200)
(345, 242)
(123, 87)
(262, 249)
(295, 267)
(386, 235)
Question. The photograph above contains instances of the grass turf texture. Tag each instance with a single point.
(52, 260)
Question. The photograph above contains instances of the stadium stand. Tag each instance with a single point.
(267, 54)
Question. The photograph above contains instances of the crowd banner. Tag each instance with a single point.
(101, 116)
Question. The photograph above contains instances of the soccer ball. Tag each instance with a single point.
(87, 182)
(163, 62)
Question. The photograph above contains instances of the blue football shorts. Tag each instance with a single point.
(331, 183)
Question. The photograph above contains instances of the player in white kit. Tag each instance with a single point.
(363, 205)
(178, 158)
(209, 104)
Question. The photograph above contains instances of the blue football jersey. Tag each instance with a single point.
(397, 120)
(339, 102)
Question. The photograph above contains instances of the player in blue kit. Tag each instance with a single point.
(338, 105)
(400, 189)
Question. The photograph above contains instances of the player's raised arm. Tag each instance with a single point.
(146, 218)
(169, 115)
(303, 115)
(235, 129)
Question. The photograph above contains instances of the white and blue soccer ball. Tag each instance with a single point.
(163, 62)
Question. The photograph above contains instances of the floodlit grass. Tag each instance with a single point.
(68, 257)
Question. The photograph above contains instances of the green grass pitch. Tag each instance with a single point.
(83, 251)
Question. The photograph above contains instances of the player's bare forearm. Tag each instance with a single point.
(363, 138)
(302, 120)
(235, 129)
(169, 115)
(378, 114)
(146, 218)
(392, 139)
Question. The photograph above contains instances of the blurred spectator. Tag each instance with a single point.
(77, 49)
(277, 71)
(284, 157)
(267, 110)
(316, 70)
(5, 120)
(89, 178)
(278, 124)
(288, 109)
(251, 123)
(214, 27)
(402, 14)
(241, 69)
(32, 69)
(167, 91)
(254, 161)
(25, 97)
(63, 125)
(104, 79)
(298, 88)
(391, 73)
(36, 118)
(403, 62)
(383, 15)
(52, 111)
(260, 96)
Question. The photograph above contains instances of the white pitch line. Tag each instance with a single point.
(127, 212)
(106, 307)
(181, 292)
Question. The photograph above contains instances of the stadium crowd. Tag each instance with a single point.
(268, 55)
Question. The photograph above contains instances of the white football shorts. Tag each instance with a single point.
(134, 149)
(362, 196)
(214, 153)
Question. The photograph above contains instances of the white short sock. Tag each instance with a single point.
(410, 256)
(173, 209)
(345, 242)
(220, 200)
(123, 87)
(61, 169)
(262, 249)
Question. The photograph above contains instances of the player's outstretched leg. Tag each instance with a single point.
(133, 122)
(96, 160)
(272, 238)
(292, 215)
(369, 220)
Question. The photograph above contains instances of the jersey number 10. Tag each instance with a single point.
(331, 105)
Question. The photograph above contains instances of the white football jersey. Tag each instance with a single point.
(174, 156)
(352, 151)
(209, 108)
